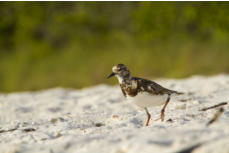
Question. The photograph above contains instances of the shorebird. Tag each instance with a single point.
(142, 92)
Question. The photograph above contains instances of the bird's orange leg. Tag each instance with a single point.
(148, 117)
(163, 109)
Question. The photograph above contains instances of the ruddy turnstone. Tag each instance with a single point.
(142, 92)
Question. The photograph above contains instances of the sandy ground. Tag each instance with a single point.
(100, 120)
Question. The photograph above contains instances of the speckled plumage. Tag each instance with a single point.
(132, 86)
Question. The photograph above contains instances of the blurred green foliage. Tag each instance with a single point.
(75, 44)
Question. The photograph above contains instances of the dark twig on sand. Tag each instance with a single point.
(216, 117)
(211, 107)
(190, 149)
(25, 130)
(10, 130)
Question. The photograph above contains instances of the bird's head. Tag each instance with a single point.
(120, 71)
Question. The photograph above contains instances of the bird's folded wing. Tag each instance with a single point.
(154, 88)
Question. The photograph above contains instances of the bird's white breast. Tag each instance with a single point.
(145, 99)
(120, 79)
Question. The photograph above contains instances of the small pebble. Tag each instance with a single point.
(99, 124)
(54, 120)
(57, 135)
(169, 120)
(115, 116)
(29, 130)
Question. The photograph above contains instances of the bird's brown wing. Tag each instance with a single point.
(153, 88)
(122, 90)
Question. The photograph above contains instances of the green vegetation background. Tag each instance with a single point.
(75, 44)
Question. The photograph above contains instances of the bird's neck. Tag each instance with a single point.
(123, 78)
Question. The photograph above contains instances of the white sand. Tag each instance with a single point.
(81, 120)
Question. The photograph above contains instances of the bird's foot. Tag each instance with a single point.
(162, 117)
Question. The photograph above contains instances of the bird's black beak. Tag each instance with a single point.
(111, 75)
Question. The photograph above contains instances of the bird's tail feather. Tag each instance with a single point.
(177, 92)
